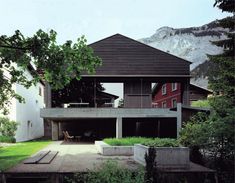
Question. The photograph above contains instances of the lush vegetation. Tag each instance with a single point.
(7, 130)
(14, 154)
(215, 133)
(130, 141)
(127, 141)
(7, 139)
(56, 64)
(201, 103)
(109, 172)
(162, 142)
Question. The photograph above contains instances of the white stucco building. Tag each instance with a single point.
(27, 114)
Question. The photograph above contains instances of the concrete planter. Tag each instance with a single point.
(108, 150)
(166, 157)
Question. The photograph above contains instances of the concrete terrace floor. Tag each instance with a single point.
(73, 157)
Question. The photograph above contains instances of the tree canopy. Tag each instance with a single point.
(216, 133)
(54, 63)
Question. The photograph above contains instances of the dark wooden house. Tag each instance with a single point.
(137, 66)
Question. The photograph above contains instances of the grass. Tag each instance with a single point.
(12, 155)
(130, 141)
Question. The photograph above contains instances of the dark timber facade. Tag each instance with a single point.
(137, 66)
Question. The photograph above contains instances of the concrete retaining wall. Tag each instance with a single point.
(108, 150)
(166, 157)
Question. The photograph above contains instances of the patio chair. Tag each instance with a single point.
(67, 137)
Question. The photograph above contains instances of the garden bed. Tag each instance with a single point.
(166, 157)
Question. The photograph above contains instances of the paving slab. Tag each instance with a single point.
(73, 157)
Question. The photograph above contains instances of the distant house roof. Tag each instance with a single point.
(124, 57)
(106, 95)
(192, 86)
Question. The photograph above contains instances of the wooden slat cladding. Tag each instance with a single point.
(124, 56)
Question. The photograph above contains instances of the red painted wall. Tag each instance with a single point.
(159, 98)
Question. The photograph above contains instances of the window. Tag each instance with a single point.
(164, 89)
(164, 104)
(174, 103)
(173, 86)
(40, 91)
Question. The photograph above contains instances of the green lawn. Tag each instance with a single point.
(12, 155)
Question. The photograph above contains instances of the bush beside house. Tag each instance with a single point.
(7, 130)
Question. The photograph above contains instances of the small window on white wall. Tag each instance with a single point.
(164, 104)
(174, 103)
(164, 89)
(40, 91)
(173, 86)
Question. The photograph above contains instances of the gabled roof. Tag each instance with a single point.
(107, 95)
(124, 57)
(193, 85)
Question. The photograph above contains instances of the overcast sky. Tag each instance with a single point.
(97, 19)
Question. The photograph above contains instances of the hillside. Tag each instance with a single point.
(192, 44)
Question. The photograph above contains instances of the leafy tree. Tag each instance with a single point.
(215, 134)
(56, 64)
(221, 81)
(76, 91)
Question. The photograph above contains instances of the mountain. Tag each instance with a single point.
(192, 44)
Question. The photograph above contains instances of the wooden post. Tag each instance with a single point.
(55, 130)
(185, 92)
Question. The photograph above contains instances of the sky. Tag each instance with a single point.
(97, 19)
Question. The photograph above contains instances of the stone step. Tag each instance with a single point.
(26, 179)
(48, 158)
(35, 159)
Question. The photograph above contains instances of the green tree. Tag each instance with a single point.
(215, 134)
(76, 91)
(221, 81)
(56, 64)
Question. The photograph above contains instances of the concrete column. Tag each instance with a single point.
(55, 130)
(119, 128)
(179, 118)
(60, 130)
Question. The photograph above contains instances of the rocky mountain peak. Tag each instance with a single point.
(192, 44)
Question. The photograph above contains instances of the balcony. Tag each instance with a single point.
(88, 112)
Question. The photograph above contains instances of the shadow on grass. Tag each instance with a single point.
(9, 161)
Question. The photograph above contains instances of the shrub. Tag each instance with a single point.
(155, 142)
(196, 131)
(7, 139)
(110, 172)
(162, 142)
(7, 127)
